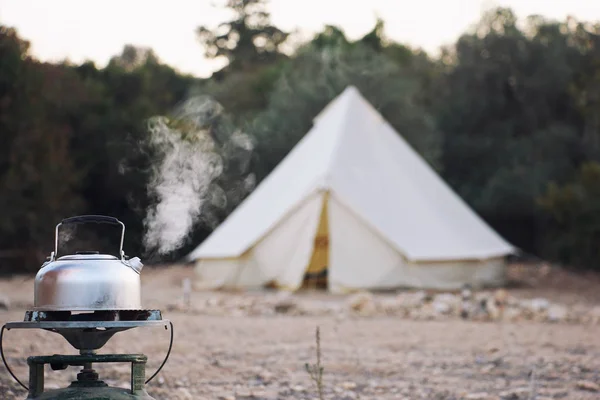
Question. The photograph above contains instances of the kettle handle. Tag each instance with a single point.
(99, 219)
(91, 218)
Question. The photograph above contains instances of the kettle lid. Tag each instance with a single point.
(87, 255)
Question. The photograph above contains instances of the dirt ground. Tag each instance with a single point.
(264, 357)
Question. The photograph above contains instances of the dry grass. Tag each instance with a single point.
(315, 371)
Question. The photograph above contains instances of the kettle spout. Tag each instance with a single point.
(136, 264)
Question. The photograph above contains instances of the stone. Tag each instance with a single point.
(478, 396)
(4, 302)
(516, 393)
(348, 385)
(412, 300)
(594, 315)
(501, 296)
(265, 376)
(513, 314)
(493, 311)
(557, 313)
(446, 303)
(285, 305)
(441, 307)
(184, 394)
(391, 305)
(538, 305)
(362, 303)
(427, 312)
(588, 386)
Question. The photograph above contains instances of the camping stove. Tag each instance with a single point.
(89, 326)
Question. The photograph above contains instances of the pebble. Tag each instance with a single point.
(588, 385)
(496, 305)
(4, 303)
(557, 313)
(441, 307)
(362, 303)
(539, 304)
(348, 385)
(480, 396)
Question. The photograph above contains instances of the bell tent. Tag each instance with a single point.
(355, 202)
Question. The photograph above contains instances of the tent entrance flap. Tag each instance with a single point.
(315, 276)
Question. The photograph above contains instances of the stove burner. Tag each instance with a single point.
(98, 316)
(88, 331)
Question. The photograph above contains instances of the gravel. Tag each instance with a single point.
(256, 346)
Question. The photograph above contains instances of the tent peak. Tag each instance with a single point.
(342, 101)
(351, 89)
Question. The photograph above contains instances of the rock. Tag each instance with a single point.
(250, 394)
(265, 376)
(446, 303)
(516, 394)
(262, 395)
(214, 302)
(479, 396)
(298, 388)
(441, 307)
(483, 308)
(412, 300)
(348, 385)
(501, 297)
(513, 314)
(487, 368)
(285, 304)
(184, 394)
(494, 312)
(588, 386)
(391, 305)
(538, 305)
(362, 303)
(4, 303)
(466, 309)
(557, 313)
(427, 312)
(594, 315)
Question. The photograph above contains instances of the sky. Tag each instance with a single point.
(96, 30)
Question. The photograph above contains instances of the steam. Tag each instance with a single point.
(201, 166)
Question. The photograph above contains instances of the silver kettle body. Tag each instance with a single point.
(88, 281)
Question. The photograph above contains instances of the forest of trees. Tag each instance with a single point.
(509, 115)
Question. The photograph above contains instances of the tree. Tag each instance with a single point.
(38, 180)
(133, 57)
(319, 72)
(585, 88)
(247, 40)
(504, 106)
(111, 144)
(574, 212)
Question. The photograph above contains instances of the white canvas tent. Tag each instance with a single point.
(354, 198)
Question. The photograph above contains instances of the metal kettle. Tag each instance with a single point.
(88, 281)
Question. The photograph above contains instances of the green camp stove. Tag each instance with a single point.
(88, 332)
(87, 298)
